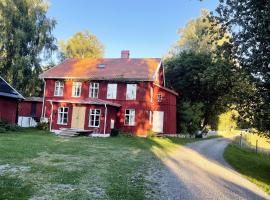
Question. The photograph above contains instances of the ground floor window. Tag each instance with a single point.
(130, 117)
(94, 117)
(62, 115)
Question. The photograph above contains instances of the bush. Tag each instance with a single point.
(4, 127)
(151, 133)
(114, 132)
(43, 126)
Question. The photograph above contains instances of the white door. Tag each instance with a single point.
(158, 117)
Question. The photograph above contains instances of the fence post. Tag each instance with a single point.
(241, 140)
(256, 146)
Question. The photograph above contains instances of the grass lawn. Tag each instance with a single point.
(256, 167)
(36, 164)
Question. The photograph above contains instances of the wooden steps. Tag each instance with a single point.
(68, 132)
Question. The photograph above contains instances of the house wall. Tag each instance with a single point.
(142, 104)
(25, 108)
(8, 109)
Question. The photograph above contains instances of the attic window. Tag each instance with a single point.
(101, 66)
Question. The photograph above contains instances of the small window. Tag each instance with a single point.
(111, 91)
(151, 94)
(150, 117)
(59, 88)
(76, 89)
(101, 65)
(130, 117)
(159, 98)
(94, 117)
(131, 91)
(93, 90)
(62, 116)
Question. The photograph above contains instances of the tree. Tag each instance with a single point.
(196, 36)
(248, 22)
(25, 34)
(82, 45)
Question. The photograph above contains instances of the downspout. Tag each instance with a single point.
(43, 113)
(51, 116)
(105, 119)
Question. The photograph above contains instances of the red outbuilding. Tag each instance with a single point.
(9, 100)
(101, 94)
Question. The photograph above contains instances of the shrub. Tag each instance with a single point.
(151, 133)
(43, 126)
(4, 126)
(114, 132)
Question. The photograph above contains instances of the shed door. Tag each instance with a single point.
(158, 121)
(78, 117)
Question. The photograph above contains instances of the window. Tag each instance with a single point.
(159, 98)
(151, 94)
(93, 90)
(76, 89)
(130, 117)
(94, 117)
(150, 117)
(131, 91)
(111, 91)
(58, 88)
(62, 115)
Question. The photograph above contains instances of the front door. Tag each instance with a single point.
(158, 121)
(78, 117)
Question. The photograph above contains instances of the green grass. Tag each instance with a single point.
(256, 167)
(38, 164)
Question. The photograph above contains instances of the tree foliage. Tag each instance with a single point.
(82, 45)
(25, 34)
(248, 22)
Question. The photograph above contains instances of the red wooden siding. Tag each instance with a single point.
(25, 109)
(8, 109)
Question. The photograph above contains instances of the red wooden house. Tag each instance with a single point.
(101, 94)
(9, 100)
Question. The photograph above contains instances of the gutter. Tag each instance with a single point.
(105, 120)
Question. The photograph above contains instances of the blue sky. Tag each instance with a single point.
(145, 27)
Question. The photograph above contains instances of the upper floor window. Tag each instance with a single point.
(131, 91)
(112, 91)
(159, 97)
(130, 117)
(59, 88)
(76, 89)
(94, 117)
(62, 115)
(93, 90)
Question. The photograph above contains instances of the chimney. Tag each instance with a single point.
(125, 54)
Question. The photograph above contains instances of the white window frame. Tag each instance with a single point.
(150, 117)
(112, 91)
(131, 91)
(76, 89)
(151, 94)
(93, 90)
(62, 111)
(159, 98)
(58, 88)
(131, 117)
(96, 115)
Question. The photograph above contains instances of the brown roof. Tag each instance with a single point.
(37, 99)
(105, 69)
(91, 101)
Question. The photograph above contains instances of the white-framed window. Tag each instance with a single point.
(76, 89)
(93, 90)
(131, 91)
(59, 88)
(112, 91)
(151, 94)
(159, 97)
(130, 117)
(150, 117)
(94, 117)
(62, 116)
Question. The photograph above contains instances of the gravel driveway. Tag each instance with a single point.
(198, 171)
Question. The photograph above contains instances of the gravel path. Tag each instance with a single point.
(198, 171)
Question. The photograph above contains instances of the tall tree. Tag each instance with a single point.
(25, 34)
(82, 45)
(248, 21)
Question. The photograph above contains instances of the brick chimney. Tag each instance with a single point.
(125, 54)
